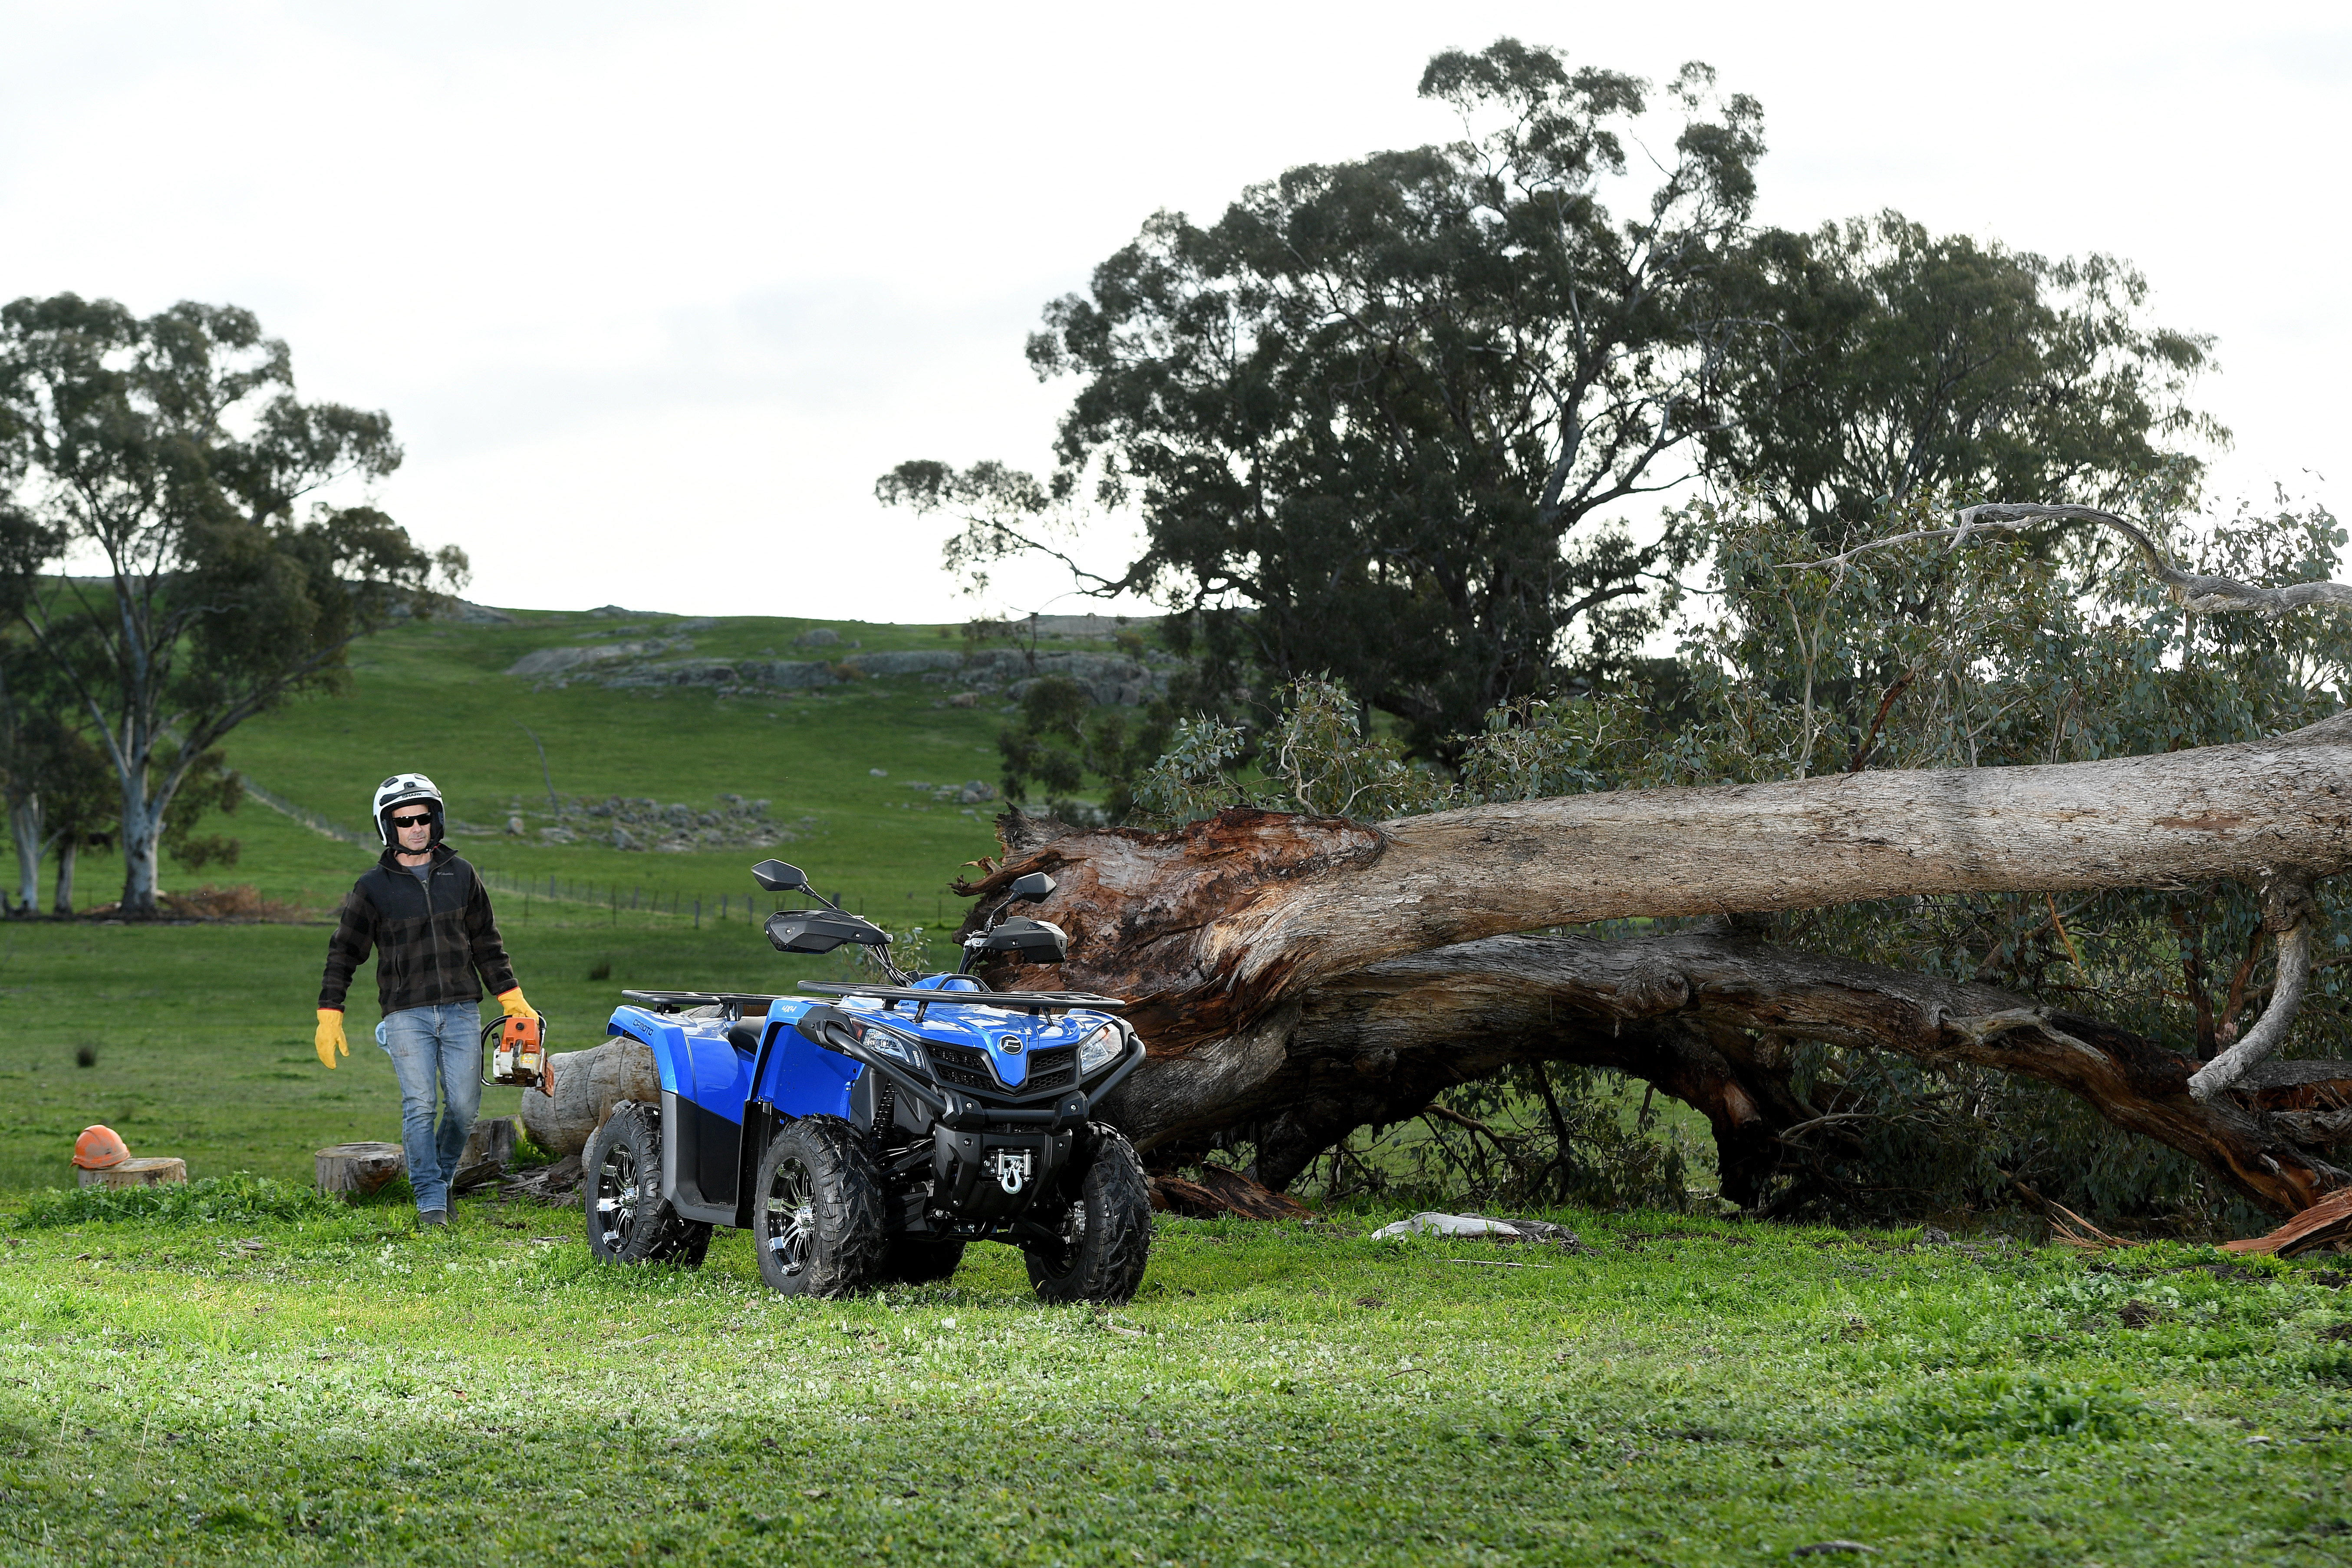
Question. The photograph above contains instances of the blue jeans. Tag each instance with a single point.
(426, 1045)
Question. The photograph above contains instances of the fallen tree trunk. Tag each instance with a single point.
(587, 1085)
(1213, 927)
(1705, 1017)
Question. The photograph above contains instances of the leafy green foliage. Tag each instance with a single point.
(1322, 759)
(1335, 764)
(1984, 1411)
(243, 1198)
(1061, 736)
(1899, 363)
(211, 785)
(1194, 777)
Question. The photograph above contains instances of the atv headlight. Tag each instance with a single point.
(882, 1042)
(1100, 1049)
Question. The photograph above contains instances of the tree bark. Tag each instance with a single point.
(587, 1085)
(360, 1168)
(143, 831)
(1705, 1017)
(1211, 927)
(24, 826)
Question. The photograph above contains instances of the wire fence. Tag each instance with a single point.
(919, 941)
(633, 898)
(616, 898)
(306, 816)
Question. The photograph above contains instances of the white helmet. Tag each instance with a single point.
(406, 789)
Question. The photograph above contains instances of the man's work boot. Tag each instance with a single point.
(427, 1218)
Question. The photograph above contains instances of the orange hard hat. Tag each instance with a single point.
(98, 1147)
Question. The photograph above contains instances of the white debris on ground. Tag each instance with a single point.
(1431, 1223)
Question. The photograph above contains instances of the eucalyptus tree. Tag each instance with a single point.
(164, 566)
(1890, 363)
(1372, 415)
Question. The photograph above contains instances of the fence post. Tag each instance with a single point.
(697, 911)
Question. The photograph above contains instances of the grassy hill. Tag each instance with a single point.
(433, 697)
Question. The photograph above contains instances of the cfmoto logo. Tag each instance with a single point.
(1009, 1043)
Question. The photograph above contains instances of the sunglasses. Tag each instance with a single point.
(412, 821)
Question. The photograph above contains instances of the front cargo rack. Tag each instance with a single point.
(1020, 1000)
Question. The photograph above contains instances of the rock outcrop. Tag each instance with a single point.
(1111, 679)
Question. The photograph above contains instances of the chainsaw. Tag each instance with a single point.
(516, 1049)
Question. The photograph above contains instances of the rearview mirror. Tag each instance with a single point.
(778, 877)
(1033, 888)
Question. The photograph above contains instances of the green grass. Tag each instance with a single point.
(346, 1390)
(202, 1033)
(243, 1372)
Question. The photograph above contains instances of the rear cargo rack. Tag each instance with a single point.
(1019, 1001)
(733, 1004)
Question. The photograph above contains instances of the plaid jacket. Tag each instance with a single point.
(429, 937)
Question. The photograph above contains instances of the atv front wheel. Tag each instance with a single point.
(816, 1217)
(1106, 1235)
(628, 1219)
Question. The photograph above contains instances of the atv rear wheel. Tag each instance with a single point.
(1106, 1234)
(816, 1213)
(917, 1260)
(628, 1219)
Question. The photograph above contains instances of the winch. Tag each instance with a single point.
(1013, 1167)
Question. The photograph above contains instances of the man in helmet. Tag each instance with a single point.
(428, 917)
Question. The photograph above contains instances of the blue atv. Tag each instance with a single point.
(869, 1137)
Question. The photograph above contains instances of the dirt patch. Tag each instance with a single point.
(239, 904)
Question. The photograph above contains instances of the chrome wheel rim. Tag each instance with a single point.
(790, 1212)
(1069, 1238)
(616, 1196)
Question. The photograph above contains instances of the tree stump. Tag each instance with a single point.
(358, 1169)
(140, 1173)
(587, 1085)
(489, 1149)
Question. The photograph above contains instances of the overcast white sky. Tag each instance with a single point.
(653, 293)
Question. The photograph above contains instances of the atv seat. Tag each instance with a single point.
(744, 1034)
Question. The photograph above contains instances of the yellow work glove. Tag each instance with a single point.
(331, 1035)
(515, 1006)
